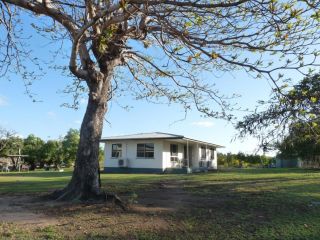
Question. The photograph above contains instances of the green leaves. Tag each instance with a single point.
(292, 112)
(313, 99)
(214, 55)
(188, 24)
(316, 16)
(106, 37)
(198, 20)
(103, 44)
(178, 48)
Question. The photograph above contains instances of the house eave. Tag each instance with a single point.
(104, 140)
(122, 139)
(203, 143)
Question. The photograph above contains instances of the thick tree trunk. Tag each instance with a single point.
(84, 184)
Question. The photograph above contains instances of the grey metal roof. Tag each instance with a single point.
(155, 135)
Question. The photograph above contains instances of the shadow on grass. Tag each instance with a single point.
(283, 213)
(268, 170)
(270, 209)
(26, 187)
(244, 204)
(285, 207)
(39, 182)
(240, 215)
(40, 174)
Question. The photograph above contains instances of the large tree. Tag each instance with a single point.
(290, 117)
(70, 144)
(33, 147)
(5, 136)
(301, 141)
(54, 153)
(164, 45)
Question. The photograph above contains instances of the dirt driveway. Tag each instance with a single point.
(24, 210)
(30, 210)
(153, 210)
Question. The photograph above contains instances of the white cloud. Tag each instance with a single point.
(78, 122)
(51, 114)
(206, 124)
(3, 101)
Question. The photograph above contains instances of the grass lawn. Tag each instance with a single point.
(228, 204)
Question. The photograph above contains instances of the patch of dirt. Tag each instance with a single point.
(151, 212)
(22, 210)
(167, 196)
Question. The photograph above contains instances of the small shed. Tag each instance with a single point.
(288, 163)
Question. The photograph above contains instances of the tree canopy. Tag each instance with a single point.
(165, 45)
(11, 145)
(40, 152)
(53, 153)
(293, 113)
(5, 136)
(300, 142)
(243, 160)
(70, 144)
(33, 147)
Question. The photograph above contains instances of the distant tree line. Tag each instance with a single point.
(244, 160)
(302, 143)
(51, 153)
(290, 121)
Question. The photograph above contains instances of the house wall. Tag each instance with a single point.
(195, 156)
(195, 161)
(161, 160)
(214, 161)
(129, 152)
(167, 154)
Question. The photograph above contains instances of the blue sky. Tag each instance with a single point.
(49, 120)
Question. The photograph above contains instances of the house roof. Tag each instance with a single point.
(156, 135)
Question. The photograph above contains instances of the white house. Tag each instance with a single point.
(157, 152)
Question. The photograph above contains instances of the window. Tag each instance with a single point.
(116, 150)
(174, 152)
(145, 150)
(211, 153)
(203, 153)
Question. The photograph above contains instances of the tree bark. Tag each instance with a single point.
(84, 184)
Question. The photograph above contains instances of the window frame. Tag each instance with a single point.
(112, 150)
(203, 149)
(212, 150)
(174, 156)
(145, 151)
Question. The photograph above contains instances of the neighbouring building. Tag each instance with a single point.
(158, 152)
(298, 162)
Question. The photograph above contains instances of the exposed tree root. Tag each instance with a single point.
(66, 195)
(109, 197)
